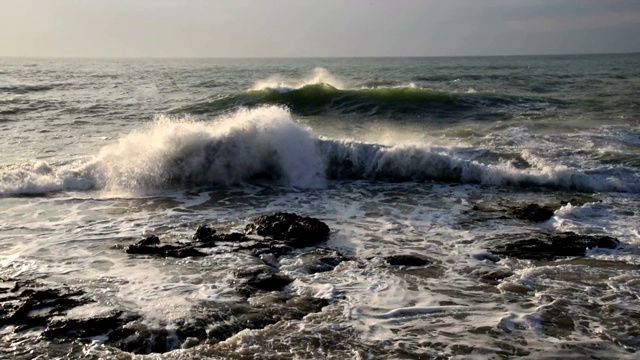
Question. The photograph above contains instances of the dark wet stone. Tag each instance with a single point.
(534, 212)
(320, 260)
(407, 260)
(264, 247)
(295, 230)
(204, 234)
(35, 305)
(149, 240)
(285, 307)
(235, 318)
(260, 278)
(138, 338)
(548, 247)
(233, 237)
(184, 252)
(39, 307)
(492, 276)
(177, 251)
(82, 328)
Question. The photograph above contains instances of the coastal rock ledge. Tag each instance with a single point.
(553, 246)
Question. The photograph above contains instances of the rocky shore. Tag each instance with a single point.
(264, 298)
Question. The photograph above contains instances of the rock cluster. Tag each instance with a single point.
(261, 290)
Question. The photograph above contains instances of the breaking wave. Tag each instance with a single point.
(265, 145)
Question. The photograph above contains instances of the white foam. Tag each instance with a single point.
(279, 84)
(266, 145)
(248, 143)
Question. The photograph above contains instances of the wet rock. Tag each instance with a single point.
(260, 278)
(71, 329)
(204, 234)
(35, 305)
(285, 307)
(138, 338)
(294, 230)
(32, 305)
(534, 212)
(549, 247)
(492, 276)
(320, 260)
(149, 240)
(230, 319)
(232, 237)
(151, 246)
(407, 260)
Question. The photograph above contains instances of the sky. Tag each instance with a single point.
(316, 28)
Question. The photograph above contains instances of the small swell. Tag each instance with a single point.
(25, 89)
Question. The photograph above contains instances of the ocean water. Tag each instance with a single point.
(396, 155)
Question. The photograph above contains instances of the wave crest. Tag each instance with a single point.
(265, 145)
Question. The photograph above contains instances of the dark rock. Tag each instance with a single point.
(149, 240)
(138, 338)
(177, 251)
(553, 246)
(233, 318)
(184, 252)
(233, 237)
(320, 260)
(204, 234)
(492, 276)
(286, 307)
(407, 260)
(295, 230)
(534, 212)
(35, 306)
(261, 278)
(72, 329)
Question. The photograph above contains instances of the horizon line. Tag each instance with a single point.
(314, 57)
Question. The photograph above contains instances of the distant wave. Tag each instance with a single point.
(265, 145)
(322, 94)
(25, 89)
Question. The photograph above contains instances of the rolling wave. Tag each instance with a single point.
(323, 98)
(265, 145)
(322, 93)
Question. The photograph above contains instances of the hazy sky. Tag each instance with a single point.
(266, 28)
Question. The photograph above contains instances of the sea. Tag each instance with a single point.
(398, 156)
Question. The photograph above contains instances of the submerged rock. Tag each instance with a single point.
(407, 260)
(320, 260)
(549, 247)
(260, 278)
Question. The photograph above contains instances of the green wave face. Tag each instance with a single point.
(324, 98)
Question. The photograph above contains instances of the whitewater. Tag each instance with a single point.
(420, 168)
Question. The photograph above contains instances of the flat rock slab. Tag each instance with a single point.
(549, 247)
(31, 305)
